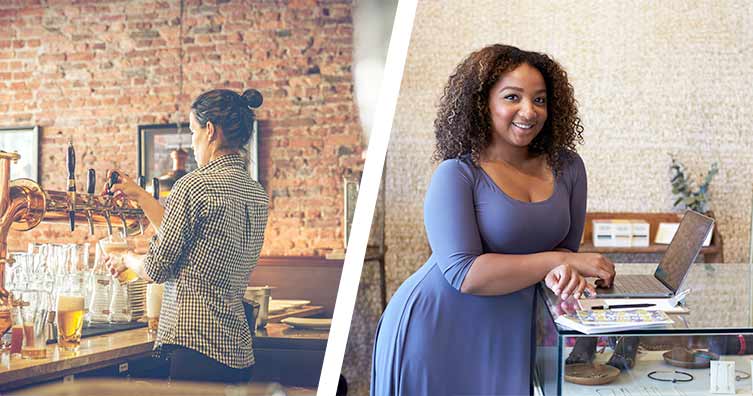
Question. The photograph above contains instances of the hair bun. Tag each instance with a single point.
(253, 98)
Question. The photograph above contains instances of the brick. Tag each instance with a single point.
(121, 71)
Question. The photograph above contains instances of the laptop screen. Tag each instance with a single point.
(683, 249)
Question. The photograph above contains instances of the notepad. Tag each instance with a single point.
(609, 321)
(638, 317)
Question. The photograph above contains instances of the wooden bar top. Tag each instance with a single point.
(108, 349)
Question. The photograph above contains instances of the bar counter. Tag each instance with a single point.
(101, 351)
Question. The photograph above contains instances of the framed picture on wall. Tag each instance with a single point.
(24, 141)
(157, 141)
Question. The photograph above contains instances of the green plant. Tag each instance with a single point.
(684, 188)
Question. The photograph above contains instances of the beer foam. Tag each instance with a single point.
(70, 303)
(114, 247)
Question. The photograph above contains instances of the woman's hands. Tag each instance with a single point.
(592, 265)
(126, 188)
(565, 281)
(114, 266)
(130, 260)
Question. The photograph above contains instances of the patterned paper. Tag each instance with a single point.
(609, 317)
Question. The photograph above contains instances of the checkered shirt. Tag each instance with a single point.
(204, 251)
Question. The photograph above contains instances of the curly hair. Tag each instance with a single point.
(463, 125)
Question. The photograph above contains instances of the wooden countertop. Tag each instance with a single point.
(115, 387)
(104, 350)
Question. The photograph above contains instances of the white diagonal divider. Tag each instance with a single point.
(367, 197)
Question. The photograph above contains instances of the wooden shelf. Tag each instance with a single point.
(588, 247)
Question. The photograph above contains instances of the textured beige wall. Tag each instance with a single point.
(651, 78)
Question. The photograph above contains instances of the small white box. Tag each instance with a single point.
(640, 233)
(602, 233)
(623, 232)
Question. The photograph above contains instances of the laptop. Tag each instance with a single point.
(674, 265)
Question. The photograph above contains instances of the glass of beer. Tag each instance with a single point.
(35, 310)
(116, 246)
(70, 320)
(153, 305)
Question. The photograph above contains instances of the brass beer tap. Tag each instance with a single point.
(24, 204)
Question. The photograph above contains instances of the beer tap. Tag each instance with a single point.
(124, 225)
(114, 178)
(91, 180)
(24, 205)
(142, 184)
(71, 162)
(155, 188)
(110, 202)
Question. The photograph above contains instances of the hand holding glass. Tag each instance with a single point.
(116, 248)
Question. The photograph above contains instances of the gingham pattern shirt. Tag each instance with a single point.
(204, 251)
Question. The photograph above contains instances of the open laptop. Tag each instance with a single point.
(674, 265)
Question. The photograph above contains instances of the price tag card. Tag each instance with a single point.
(722, 377)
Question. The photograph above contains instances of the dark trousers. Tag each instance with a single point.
(189, 365)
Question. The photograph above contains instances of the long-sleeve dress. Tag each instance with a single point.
(434, 340)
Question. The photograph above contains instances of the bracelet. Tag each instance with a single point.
(688, 376)
(742, 344)
(743, 375)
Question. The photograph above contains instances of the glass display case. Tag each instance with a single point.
(682, 358)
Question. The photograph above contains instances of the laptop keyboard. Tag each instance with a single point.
(637, 284)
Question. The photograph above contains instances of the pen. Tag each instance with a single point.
(596, 307)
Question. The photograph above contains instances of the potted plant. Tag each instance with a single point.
(683, 187)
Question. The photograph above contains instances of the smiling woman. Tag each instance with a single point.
(505, 209)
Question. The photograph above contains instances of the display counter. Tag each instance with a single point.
(116, 355)
(719, 315)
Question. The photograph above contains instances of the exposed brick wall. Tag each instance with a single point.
(97, 70)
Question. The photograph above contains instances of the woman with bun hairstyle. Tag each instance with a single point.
(208, 240)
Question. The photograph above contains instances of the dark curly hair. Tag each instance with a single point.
(463, 124)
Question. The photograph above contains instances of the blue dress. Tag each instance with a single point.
(434, 340)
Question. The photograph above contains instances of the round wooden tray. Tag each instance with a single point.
(689, 358)
(590, 374)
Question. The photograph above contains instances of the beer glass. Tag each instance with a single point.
(35, 310)
(70, 320)
(116, 246)
(153, 305)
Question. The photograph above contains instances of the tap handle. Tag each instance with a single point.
(142, 181)
(155, 188)
(91, 180)
(70, 160)
(114, 177)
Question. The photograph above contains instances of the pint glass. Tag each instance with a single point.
(70, 321)
(116, 246)
(153, 305)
